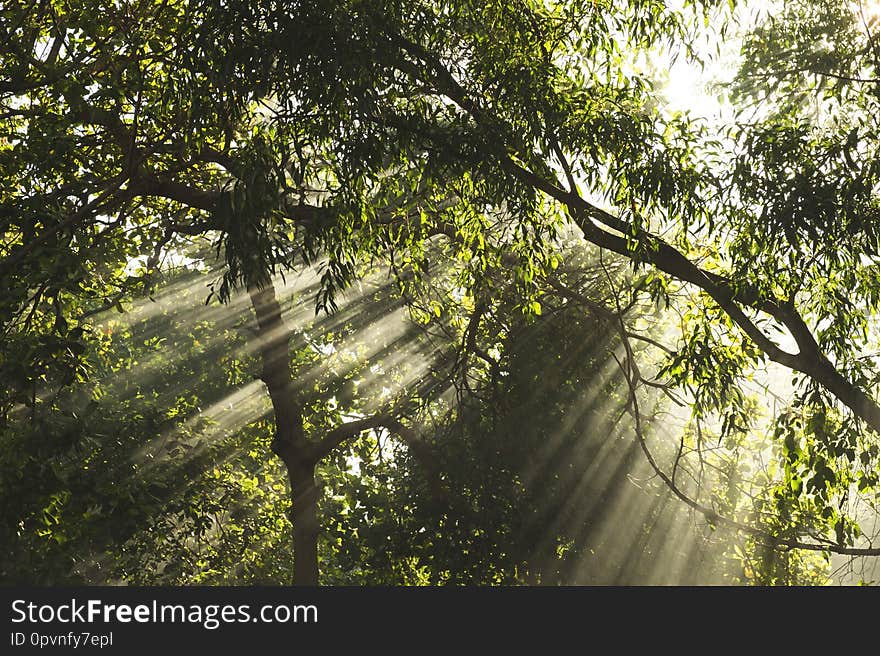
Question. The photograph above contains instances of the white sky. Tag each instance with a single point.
(696, 89)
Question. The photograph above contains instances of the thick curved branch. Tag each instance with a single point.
(810, 360)
(636, 244)
(350, 430)
(152, 185)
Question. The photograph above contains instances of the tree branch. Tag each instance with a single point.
(710, 514)
(636, 244)
(420, 451)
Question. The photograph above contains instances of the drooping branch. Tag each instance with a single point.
(612, 233)
(633, 379)
(809, 360)
(774, 541)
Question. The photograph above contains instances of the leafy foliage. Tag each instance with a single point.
(460, 144)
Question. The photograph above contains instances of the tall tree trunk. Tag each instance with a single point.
(290, 442)
(304, 494)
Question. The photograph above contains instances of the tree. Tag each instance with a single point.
(330, 132)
